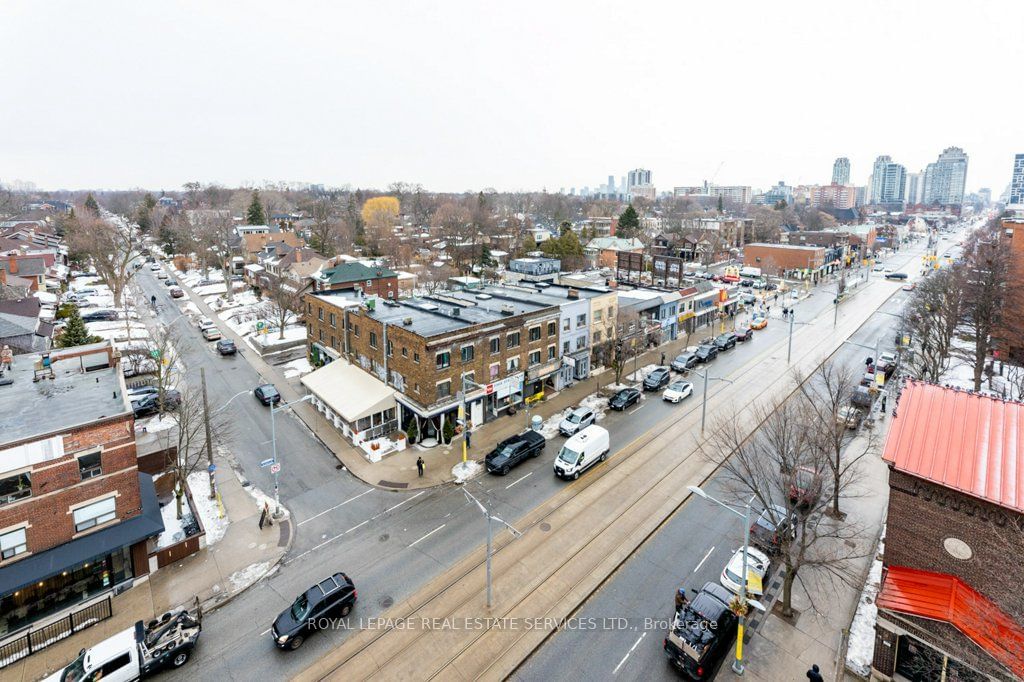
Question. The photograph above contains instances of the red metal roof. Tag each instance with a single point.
(961, 440)
(939, 596)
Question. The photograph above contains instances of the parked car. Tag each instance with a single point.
(746, 283)
(804, 487)
(211, 334)
(150, 403)
(748, 299)
(896, 275)
(171, 282)
(657, 378)
(760, 284)
(759, 322)
(154, 266)
(677, 390)
(725, 341)
(205, 323)
(267, 394)
(850, 416)
(742, 335)
(707, 352)
(909, 286)
(862, 397)
(176, 292)
(582, 451)
(226, 347)
(329, 599)
(702, 633)
(513, 451)
(770, 286)
(770, 528)
(624, 398)
(100, 316)
(161, 275)
(758, 565)
(578, 419)
(205, 282)
(684, 362)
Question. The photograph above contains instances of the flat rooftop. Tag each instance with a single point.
(73, 396)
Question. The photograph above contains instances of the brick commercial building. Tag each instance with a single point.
(356, 276)
(1010, 342)
(785, 260)
(418, 351)
(950, 605)
(75, 513)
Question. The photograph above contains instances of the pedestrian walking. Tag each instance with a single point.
(814, 674)
(662, 358)
(883, 403)
(419, 466)
(469, 433)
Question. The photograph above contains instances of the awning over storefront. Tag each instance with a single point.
(349, 391)
(52, 561)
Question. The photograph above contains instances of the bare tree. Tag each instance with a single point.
(779, 466)
(933, 315)
(323, 236)
(108, 247)
(826, 394)
(282, 304)
(190, 438)
(985, 293)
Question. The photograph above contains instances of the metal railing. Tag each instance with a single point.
(51, 633)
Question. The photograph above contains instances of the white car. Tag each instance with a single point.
(161, 275)
(757, 569)
(578, 419)
(154, 266)
(205, 323)
(677, 390)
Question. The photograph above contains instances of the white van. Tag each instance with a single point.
(582, 451)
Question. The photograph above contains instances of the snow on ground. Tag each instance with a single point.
(247, 576)
(154, 424)
(598, 403)
(292, 333)
(261, 498)
(643, 372)
(860, 651)
(218, 288)
(296, 368)
(173, 530)
(549, 429)
(463, 471)
(46, 297)
(191, 308)
(209, 510)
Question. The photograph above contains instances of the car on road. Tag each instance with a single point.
(171, 282)
(578, 419)
(582, 451)
(323, 603)
(176, 292)
(742, 335)
(624, 398)
(154, 266)
(684, 361)
(226, 347)
(205, 323)
(150, 403)
(100, 316)
(804, 487)
(770, 286)
(746, 283)
(748, 299)
(677, 390)
(211, 334)
(725, 341)
(706, 352)
(657, 378)
(161, 275)
(862, 397)
(909, 286)
(758, 565)
(759, 322)
(702, 633)
(896, 276)
(267, 394)
(513, 451)
(772, 526)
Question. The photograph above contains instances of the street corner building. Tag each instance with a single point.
(76, 515)
(950, 605)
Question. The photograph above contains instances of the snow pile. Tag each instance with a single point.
(208, 510)
(463, 471)
(598, 403)
(261, 498)
(296, 368)
(292, 333)
(861, 648)
(155, 424)
(549, 429)
(173, 526)
(247, 576)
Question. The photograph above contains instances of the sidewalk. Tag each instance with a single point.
(215, 574)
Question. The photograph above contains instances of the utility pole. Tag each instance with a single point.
(791, 314)
(211, 467)
(490, 536)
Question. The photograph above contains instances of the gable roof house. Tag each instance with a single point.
(30, 268)
(21, 328)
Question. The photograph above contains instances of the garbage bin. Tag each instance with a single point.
(535, 422)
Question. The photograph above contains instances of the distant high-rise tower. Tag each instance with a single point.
(1017, 182)
(638, 176)
(888, 181)
(915, 188)
(945, 179)
(841, 171)
(611, 185)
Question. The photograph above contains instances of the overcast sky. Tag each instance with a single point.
(511, 95)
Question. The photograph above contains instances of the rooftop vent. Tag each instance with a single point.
(572, 293)
(455, 311)
(484, 297)
(406, 321)
(508, 309)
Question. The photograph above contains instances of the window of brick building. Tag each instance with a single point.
(535, 333)
(468, 353)
(405, 352)
(95, 514)
(534, 357)
(552, 352)
(391, 349)
(495, 345)
(512, 340)
(333, 319)
(512, 365)
(89, 465)
(444, 359)
(373, 339)
(444, 389)
(15, 487)
(320, 314)
(13, 543)
(552, 328)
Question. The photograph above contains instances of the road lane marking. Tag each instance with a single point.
(342, 504)
(704, 559)
(429, 534)
(517, 480)
(636, 410)
(631, 649)
(409, 499)
(356, 527)
(265, 631)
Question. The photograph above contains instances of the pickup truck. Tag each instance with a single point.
(137, 652)
(511, 451)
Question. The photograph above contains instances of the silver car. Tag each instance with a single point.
(579, 418)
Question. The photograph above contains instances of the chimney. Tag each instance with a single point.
(12, 265)
(298, 255)
(572, 293)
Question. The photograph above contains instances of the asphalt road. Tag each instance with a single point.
(689, 550)
(391, 543)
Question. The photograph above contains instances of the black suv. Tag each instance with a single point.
(706, 352)
(331, 598)
(658, 377)
(702, 633)
(725, 341)
(149, 403)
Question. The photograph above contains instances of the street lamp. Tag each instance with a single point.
(737, 665)
(273, 440)
(704, 403)
(490, 534)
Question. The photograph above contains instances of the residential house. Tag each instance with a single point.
(255, 244)
(76, 516)
(355, 275)
(603, 251)
(21, 328)
(29, 268)
(949, 605)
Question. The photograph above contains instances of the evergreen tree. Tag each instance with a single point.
(629, 223)
(721, 206)
(486, 259)
(91, 205)
(75, 332)
(529, 244)
(570, 244)
(255, 215)
(148, 201)
(566, 226)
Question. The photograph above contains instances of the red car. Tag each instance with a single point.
(805, 487)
